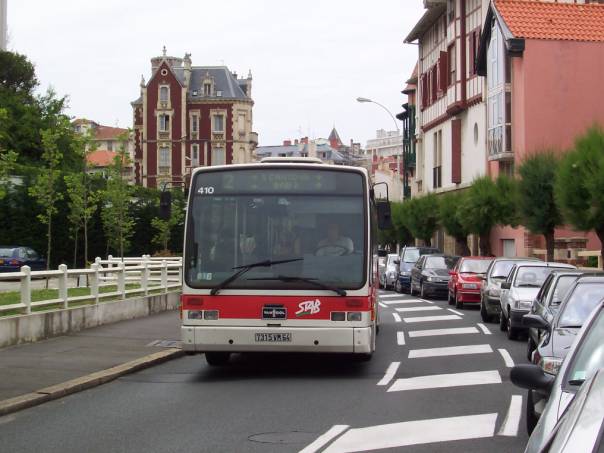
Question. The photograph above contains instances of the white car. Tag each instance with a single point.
(518, 292)
(389, 273)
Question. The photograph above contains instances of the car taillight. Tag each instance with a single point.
(15, 263)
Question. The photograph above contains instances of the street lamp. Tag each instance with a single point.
(362, 100)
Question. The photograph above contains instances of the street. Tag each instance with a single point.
(283, 403)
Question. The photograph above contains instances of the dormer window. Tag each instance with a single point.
(207, 89)
(195, 92)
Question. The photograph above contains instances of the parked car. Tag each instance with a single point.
(584, 359)
(559, 333)
(497, 273)
(581, 425)
(12, 257)
(519, 291)
(430, 275)
(409, 256)
(389, 271)
(548, 301)
(466, 280)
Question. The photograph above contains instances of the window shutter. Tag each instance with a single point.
(443, 68)
(434, 83)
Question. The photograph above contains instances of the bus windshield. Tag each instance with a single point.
(239, 217)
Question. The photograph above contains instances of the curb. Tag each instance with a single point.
(85, 382)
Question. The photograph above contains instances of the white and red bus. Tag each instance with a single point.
(280, 256)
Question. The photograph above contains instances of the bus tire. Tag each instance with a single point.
(217, 358)
(365, 357)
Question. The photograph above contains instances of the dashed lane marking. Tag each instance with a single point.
(512, 419)
(324, 439)
(431, 318)
(484, 328)
(436, 381)
(396, 316)
(409, 309)
(400, 338)
(450, 350)
(455, 311)
(415, 432)
(390, 372)
(383, 305)
(435, 332)
(507, 358)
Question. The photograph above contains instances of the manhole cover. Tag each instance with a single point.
(288, 437)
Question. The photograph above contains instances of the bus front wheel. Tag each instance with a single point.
(217, 358)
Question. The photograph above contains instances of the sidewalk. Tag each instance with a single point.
(62, 365)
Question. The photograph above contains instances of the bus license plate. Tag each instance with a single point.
(273, 337)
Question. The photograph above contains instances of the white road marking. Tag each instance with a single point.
(428, 308)
(383, 305)
(435, 332)
(431, 318)
(436, 381)
(415, 432)
(450, 350)
(407, 301)
(455, 311)
(507, 358)
(392, 296)
(512, 419)
(324, 439)
(400, 338)
(397, 318)
(390, 372)
(484, 328)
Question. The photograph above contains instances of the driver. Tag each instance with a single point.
(334, 244)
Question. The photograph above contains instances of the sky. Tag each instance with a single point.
(309, 59)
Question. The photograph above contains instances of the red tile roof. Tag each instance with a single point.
(108, 133)
(534, 19)
(101, 158)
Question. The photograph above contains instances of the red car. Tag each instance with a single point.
(466, 280)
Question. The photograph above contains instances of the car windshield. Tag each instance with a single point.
(436, 262)
(474, 266)
(590, 354)
(532, 276)
(6, 252)
(580, 303)
(391, 259)
(411, 255)
(501, 269)
(241, 222)
(563, 284)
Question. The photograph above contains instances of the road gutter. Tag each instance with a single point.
(86, 382)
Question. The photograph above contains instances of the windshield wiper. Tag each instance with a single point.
(312, 281)
(243, 269)
(576, 381)
(528, 285)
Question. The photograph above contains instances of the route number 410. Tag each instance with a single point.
(205, 190)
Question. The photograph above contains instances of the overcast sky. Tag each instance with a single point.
(310, 59)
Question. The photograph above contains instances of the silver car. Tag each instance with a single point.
(389, 273)
(518, 292)
(585, 358)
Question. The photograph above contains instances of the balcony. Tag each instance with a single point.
(254, 139)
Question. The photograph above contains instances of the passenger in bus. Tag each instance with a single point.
(334, 244)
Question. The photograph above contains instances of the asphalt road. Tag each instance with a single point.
(285, 403)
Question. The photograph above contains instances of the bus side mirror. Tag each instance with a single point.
(165, 205)
(383, 214)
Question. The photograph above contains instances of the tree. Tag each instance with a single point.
(486, 204)
(422, 217)
(536, 202)
(400, 231)
(17, 73)
(117, 223)
(165, 228)
(448, 211)
(579, 187)
(45, 189)
(7, 158)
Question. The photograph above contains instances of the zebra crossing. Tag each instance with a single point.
(413, 319)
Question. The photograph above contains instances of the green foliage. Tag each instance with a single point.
(165, 228)
(579, 185)
(448, 210)
(17, 74)
(421, 214)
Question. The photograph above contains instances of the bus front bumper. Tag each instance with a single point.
(301, 339)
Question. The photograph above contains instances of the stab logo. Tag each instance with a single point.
(309, 307)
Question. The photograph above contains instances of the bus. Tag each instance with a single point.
(281, 256)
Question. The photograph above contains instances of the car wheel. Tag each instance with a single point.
(484, 315)
(422, 292)
(530, 347)
(397, 287)
(217, 358)
(512, 331)
(458, 303)
(531, 416)
(503, 322)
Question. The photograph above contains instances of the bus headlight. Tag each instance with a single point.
(338, 316)
(195, 314)
(210, 315)
(354, 316)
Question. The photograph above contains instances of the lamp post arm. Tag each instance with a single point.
(391, 116)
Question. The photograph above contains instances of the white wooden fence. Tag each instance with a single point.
(150, 274)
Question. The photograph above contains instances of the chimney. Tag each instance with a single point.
(304, 140)
(287, 143)
(187, 69)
